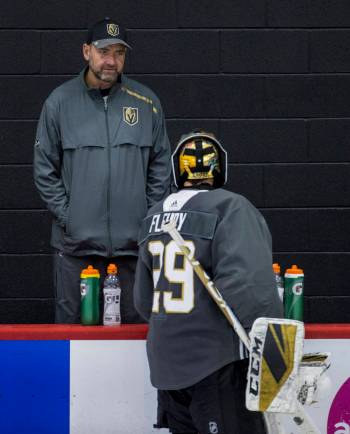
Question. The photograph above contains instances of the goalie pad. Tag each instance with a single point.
(276, 347)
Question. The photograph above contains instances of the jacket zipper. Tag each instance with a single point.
(109, 247)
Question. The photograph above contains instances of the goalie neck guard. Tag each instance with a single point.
(199, 156)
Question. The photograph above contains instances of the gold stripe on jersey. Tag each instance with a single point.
(141, 97)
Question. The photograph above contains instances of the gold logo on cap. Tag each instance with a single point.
(130, 115)
(112, 29)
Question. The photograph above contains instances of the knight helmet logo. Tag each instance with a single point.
(112, 29)
(130, 115)
(213, 428)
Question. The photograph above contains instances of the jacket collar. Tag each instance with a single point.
(95, 93)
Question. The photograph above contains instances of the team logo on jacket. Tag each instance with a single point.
(130, 115)
(112, 29)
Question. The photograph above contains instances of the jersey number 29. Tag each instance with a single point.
(167, 259)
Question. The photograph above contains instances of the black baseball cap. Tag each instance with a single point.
(106, 32)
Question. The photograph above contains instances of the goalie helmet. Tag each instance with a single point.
(199, 156)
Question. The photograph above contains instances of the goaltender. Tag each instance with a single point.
(196, 360)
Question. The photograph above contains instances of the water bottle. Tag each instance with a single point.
(294, 293)
(279, 281)
(89, 290)
(111, 295)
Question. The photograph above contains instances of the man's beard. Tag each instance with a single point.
(100, 75)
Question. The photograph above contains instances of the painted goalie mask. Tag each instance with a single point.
(199, 156)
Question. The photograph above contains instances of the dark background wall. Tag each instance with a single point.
(270, 77)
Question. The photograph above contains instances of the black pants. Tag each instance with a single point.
(215, 404)
(67, 271)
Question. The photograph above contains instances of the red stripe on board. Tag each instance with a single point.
(73, 331)
(131, 332)
(327, 331)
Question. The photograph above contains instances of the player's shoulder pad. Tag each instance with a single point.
(191, 223)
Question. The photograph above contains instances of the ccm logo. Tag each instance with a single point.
(345, 428)
(255, 367)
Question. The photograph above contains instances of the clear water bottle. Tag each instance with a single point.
(111, 295)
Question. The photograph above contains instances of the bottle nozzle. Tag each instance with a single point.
(276, 267)
(112, 269)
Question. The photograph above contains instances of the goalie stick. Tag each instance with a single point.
(301, 418)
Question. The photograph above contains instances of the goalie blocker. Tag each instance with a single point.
(279, 374)
(276, 348)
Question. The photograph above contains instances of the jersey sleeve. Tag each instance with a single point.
(242, 263)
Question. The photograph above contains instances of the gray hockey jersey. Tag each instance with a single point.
(189, 337)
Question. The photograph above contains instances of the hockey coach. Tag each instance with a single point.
(101, 159)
